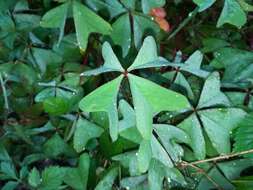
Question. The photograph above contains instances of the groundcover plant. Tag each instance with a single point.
(126, 94)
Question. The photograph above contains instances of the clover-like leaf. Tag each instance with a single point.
(170, 136)
(144, 155)
(147, 53)
(216, 121)
(85, 131)
(87, 22)
(243, 135)
(77, 177)
(211, 94)
(204, 4)
(120, 26)
(111, 62)
(108, 103)
(232, 13)
(56, 18)
(218, 124)
(193, 65)
(150, 98)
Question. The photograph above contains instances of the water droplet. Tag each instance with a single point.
(127, 188)
(217, 54)
(169, 180)
(190, 15)
(136, 153)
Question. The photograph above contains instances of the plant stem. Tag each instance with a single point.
(219, 158)
(191, 15)
(6, 104)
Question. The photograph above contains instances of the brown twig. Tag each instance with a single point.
(223, 157)
(203, 172)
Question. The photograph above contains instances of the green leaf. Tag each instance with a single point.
(159, 98)
(85, 131)
(159, 153)
(211, 94)
(55, 146)
(170, 136)
(8, 170)
(204, 4)
(51, 178)
(56, 105)
(232, 13)
(133, 182)
(158, 172)
(246, 6)
(34, 178)
(107, 181)
(192, 127)
(56, 18)
(150, 98)
(147, 53)
(120, 26)
(94, 103)
(141, 25)
(233, 169)
(218, 179)
(128, 115)
(193, 64)
(243, 135)
(26, 22)
(143, 121)
(111, 62)
(218, 124)
(237, 63)
(180, 81)
(7, 34)
(4, 156)
(10, 185)
(113, 6)
(45, 58)
(212, 44)
(87, 22)
(77, 177)
(156, 175)
(244, 183)
(144, 155)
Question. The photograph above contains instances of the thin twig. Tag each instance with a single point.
(6, 104)
(223, 157)
(200, 170)
(191, 15)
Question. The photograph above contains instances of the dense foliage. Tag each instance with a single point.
(126, 94)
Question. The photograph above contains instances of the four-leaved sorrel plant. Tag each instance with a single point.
(149, 98)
